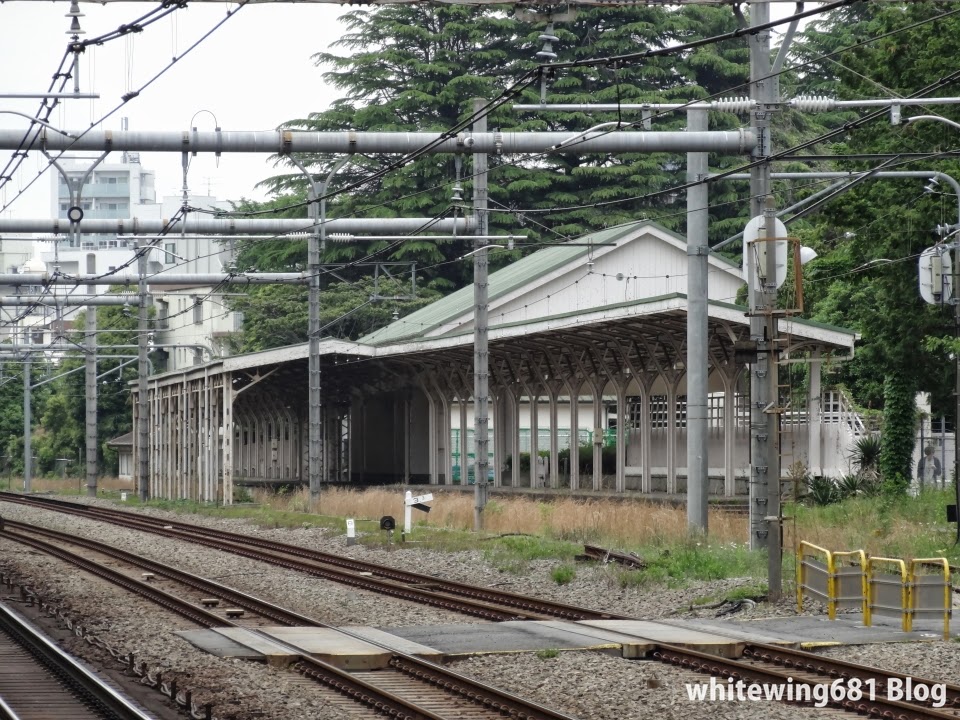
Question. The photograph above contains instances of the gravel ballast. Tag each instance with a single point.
(589, 686)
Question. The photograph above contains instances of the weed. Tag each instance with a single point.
(563, 574)
(548, 654)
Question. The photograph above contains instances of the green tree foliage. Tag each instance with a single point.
(884, 220)
(11, 414)
(408, 68)
(277, 315)
(61, 410)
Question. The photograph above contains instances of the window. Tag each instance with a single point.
(163, 314)
(197, 311)
(634, 414)
(658, 411)
(171, 250)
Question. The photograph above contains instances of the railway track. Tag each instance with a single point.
(760, 663)
(773, 667)
(39, 681)
(487, 603)
(408, 689)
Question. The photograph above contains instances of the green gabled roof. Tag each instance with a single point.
(504, 281)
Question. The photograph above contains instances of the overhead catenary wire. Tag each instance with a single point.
(380, 251)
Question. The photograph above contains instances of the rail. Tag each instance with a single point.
(446, 680)
(91, 690)
(778, 665)
(488, 603)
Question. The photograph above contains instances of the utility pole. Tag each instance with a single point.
(773, 409)
(143, 407)
(27, 430)
(759, 189)
(90, 347)
(698, 481)
(481, 353)
(764, 410)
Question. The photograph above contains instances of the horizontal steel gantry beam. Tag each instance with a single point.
(68, 301)
(187, 279)
(236, 226)
(350, 142)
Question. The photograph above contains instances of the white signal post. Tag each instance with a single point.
(411, 501)
(351, 532)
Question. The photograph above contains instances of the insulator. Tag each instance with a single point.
(339, 237)
(546, 55)
(812, 103)
(548, 38)
(736, 105)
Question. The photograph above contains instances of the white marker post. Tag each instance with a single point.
(351, 532)
(411, 501)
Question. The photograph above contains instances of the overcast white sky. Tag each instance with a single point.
(253, 73)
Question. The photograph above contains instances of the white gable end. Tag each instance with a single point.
(647, 264)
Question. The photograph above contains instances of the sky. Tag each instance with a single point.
(253, 73)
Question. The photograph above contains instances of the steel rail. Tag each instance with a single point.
(448, 681)
(263, 608)
(717, 666)
(191, 612)
(780, 662)
(90, 690)
(484, 602)
(834, 668)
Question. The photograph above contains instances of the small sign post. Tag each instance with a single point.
(411, 501)
(351, 532)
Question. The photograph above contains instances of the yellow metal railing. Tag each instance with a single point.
(877, 581)
(856, 568)
(878, 585)
(919, 582)
(814, 578)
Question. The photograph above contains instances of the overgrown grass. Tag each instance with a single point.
(563, 574)
(904, 527)
(520, 530)
(607, 522)
(684, 561)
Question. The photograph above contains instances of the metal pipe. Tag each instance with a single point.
(163, 278)
(761, 450)
(352, 142)
(143, 426)
(481, 352)
(48, 301)
(90, 382)
(232, 226)
(27, 430)
(53, 96)
(787, 210)
(332, 237)
(697, 330)
(852, 176)
(736, 105)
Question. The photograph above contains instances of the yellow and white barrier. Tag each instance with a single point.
(892, 587)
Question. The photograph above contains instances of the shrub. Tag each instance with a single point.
(563, 574)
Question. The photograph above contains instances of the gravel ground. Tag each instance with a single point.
(238, 689)
(320, 599)
(594, 686)
(588, 686)
(594, 586)
(936, 661)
